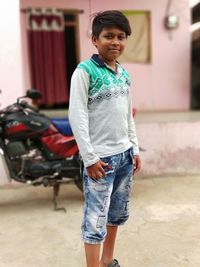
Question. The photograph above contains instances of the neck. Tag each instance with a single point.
(111, 64)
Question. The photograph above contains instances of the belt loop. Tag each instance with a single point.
(123, 156)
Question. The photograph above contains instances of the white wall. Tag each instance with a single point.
(11, 81)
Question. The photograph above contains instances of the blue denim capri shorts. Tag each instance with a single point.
(107, 199)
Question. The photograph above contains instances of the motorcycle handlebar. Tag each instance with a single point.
(24, 104)
(20, 105)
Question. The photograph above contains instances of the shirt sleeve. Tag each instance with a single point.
(78, 115)
(131, 127)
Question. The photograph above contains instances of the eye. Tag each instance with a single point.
(122, 37)
(108, 36)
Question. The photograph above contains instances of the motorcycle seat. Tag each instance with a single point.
(63, 126)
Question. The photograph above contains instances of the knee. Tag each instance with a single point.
(94, 232)
(120, 215)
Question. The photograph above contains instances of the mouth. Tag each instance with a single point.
(114, 50)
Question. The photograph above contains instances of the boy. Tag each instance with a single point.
(100, 114)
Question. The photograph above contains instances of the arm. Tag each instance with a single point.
(78, 117)
(132, 136)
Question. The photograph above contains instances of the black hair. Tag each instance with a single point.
(109, 19)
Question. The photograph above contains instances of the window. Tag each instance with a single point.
(138, 48)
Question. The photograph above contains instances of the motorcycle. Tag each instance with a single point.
(34, 148)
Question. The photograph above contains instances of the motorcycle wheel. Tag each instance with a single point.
(79, 183)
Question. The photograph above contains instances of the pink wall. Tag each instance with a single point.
(165, 83)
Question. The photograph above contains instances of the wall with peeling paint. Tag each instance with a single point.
(171, 147)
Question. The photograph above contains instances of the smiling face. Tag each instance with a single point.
(110, 44)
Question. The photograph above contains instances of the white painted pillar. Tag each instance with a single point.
(11, 78)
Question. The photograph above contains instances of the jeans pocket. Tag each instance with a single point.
(109, 168)
(132, 156)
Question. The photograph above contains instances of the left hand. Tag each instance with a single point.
(137, 163)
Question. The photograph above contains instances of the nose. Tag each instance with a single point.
(115, 41)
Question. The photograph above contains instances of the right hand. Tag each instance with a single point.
(96, 170)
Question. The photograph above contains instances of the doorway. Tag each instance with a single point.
(53, 43)
(195, 51)
(71, 43)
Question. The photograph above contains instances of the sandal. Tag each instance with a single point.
(114, 263)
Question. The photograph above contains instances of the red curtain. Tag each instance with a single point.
(47, 56)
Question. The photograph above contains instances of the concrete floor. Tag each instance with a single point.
(163, 230)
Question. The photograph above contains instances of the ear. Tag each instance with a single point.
(94, 41)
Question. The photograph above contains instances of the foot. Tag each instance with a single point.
(114, 263)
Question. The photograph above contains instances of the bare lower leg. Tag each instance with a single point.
(108, 246)
(92, 252)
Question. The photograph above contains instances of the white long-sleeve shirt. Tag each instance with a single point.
(100, 111)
